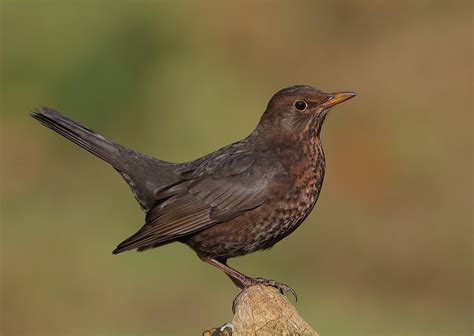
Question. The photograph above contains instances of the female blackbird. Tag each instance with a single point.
(239, 199)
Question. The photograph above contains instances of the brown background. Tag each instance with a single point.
(387, 250)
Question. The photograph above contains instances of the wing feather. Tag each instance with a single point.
(203, 201)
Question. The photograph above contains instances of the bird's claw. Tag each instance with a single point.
(282, 288)
(236, 301)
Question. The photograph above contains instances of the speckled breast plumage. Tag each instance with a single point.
(263, 227)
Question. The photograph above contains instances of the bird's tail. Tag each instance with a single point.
(142, 173)
(82, 136)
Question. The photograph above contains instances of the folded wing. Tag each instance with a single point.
(192, 205)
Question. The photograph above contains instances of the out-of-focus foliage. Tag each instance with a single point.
(387, 250)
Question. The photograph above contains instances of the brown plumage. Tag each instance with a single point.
(239, 199)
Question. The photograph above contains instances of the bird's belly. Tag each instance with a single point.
(264, 226)
(258, 229)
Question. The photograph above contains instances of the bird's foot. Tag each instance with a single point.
(248, 282)
(283, 288)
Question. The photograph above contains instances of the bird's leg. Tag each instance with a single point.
(239, 279)
(243, 281)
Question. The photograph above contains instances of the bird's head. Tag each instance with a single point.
(300, 110)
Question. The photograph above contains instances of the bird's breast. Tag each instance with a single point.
(306, 175)
(264, 226)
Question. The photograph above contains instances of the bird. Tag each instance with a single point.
(244, 197)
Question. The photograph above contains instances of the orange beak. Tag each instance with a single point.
(337, 98)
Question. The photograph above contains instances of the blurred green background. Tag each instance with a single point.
(387, 250)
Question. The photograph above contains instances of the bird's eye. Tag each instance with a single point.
(301, 105)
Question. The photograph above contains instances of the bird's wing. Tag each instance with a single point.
(238, 184)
